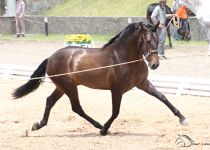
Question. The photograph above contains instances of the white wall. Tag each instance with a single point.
(11, 7)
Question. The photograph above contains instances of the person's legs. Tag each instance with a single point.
(17, 25)
(22, 26)
(186, 25)
(176, 34)
(162, 37)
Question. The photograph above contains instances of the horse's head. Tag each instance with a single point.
(136, 40)
(149, 44)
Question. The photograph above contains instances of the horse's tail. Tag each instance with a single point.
(32, 84)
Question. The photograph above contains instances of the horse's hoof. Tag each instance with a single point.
(103, 132)
(35, 126)
(183, 121)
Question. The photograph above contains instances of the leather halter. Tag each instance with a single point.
(149, 52)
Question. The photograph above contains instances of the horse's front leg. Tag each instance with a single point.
(116, 101)
(150, 89)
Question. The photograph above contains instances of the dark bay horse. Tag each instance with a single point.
(132, 44)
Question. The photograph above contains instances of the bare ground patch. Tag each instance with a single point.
(143, 123)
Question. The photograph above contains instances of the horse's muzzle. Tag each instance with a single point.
(154, 66)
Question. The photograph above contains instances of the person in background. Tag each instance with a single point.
(183, 16)
(20, 18)
(159, 15)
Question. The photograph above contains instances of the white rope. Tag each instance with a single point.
(87, 70)
(170, 21)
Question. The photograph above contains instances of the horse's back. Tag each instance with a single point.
(78, 64)
(62, 59)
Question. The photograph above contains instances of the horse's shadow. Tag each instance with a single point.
(91, 135)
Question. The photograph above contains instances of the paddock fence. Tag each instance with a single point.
(180, 85)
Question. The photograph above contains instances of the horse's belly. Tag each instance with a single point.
(98, 79)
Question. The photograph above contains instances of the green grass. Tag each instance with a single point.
(186, 43)
(53, 37)
(97, 38)
(96, 8)
(35, 37)
(101, 8)
(190, 43)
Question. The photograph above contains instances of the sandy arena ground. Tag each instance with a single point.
(144, 122)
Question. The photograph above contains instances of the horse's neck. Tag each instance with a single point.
(127, 51)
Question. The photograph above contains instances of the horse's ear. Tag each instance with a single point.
(139, 25)
(142, 26)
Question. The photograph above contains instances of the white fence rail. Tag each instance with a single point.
(182, 85)
(167, 84)
(17, 71)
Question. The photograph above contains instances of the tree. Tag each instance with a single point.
(2, 7)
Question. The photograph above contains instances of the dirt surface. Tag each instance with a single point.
(144, 122)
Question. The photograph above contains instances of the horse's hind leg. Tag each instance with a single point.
(150, 89)
(72, 92)
(51, 100)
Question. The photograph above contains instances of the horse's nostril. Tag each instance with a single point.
(154, 66)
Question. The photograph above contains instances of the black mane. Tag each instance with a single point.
(112, 40)
(127, 30)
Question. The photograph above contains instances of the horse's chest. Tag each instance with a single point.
(134, 76)
(131, 80)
